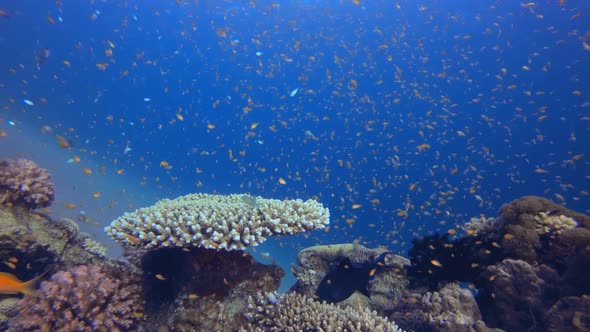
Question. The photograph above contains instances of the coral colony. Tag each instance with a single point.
(184, 269)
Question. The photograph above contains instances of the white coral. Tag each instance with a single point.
(216, 221)
(547, 223)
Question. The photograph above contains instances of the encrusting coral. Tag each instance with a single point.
(85, 298)
(295, 312)
(232, 222)
(22, 181)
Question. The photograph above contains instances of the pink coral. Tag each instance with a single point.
(22, 181)
(85, 298)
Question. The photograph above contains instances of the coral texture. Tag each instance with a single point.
(22, 181)
(450, 309)
(548, 223)
(232, 222)
(203, 289)
(384, 273)
(569, 314)
(295, 312)
(85, 298)
(7, 311)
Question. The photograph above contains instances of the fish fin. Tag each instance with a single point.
(30, 286)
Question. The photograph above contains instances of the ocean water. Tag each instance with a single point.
(403, 118)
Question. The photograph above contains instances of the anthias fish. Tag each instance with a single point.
(9, 284)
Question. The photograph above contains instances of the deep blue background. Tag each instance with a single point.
(444, 73)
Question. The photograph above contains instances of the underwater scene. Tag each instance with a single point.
(297, 165)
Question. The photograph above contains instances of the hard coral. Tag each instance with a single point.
(22, 181)
(85, 298)
(295, 312)
(230, 222)
(203, 289)
(452, 308)
(349, 273)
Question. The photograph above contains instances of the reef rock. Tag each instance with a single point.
(450, 309)
(342, 273)
(569, 314)
(36, 243)
(202, 289)
(538, 230)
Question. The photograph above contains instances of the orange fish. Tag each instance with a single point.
(9, 284)
(436, 263)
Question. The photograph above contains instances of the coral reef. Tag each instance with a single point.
(479, 224)
(230, 222)
(36, 243)
(85, 298)
(93, 246)
(438, 260)
(525, 270)
(23, 182)
(516, 293)
(296, 312)
(526, 266)
(452, 308)
(203, 289)
(7, 311)
(550, 223)
(335, 273)
(569, 314)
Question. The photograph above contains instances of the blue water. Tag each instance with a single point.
(409, 117)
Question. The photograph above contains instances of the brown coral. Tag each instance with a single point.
(452, 308)
(295, 312)
(85, 298)
(384, 288)
(22, 181)
(203, 289)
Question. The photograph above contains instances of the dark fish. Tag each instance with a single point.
(42, 56)
(341, 282)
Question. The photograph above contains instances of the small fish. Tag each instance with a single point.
(10, 264)
(294, 92)
(146, 99)
(28, 102)
(9, 284)
(127, 149)
(372, 272)
(436, 263)
(63, 143)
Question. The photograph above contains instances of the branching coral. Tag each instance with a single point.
(295, 312)
(22, 181)
(550, 223)
(85, 298)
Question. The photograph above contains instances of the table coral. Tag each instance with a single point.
(232, 222)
